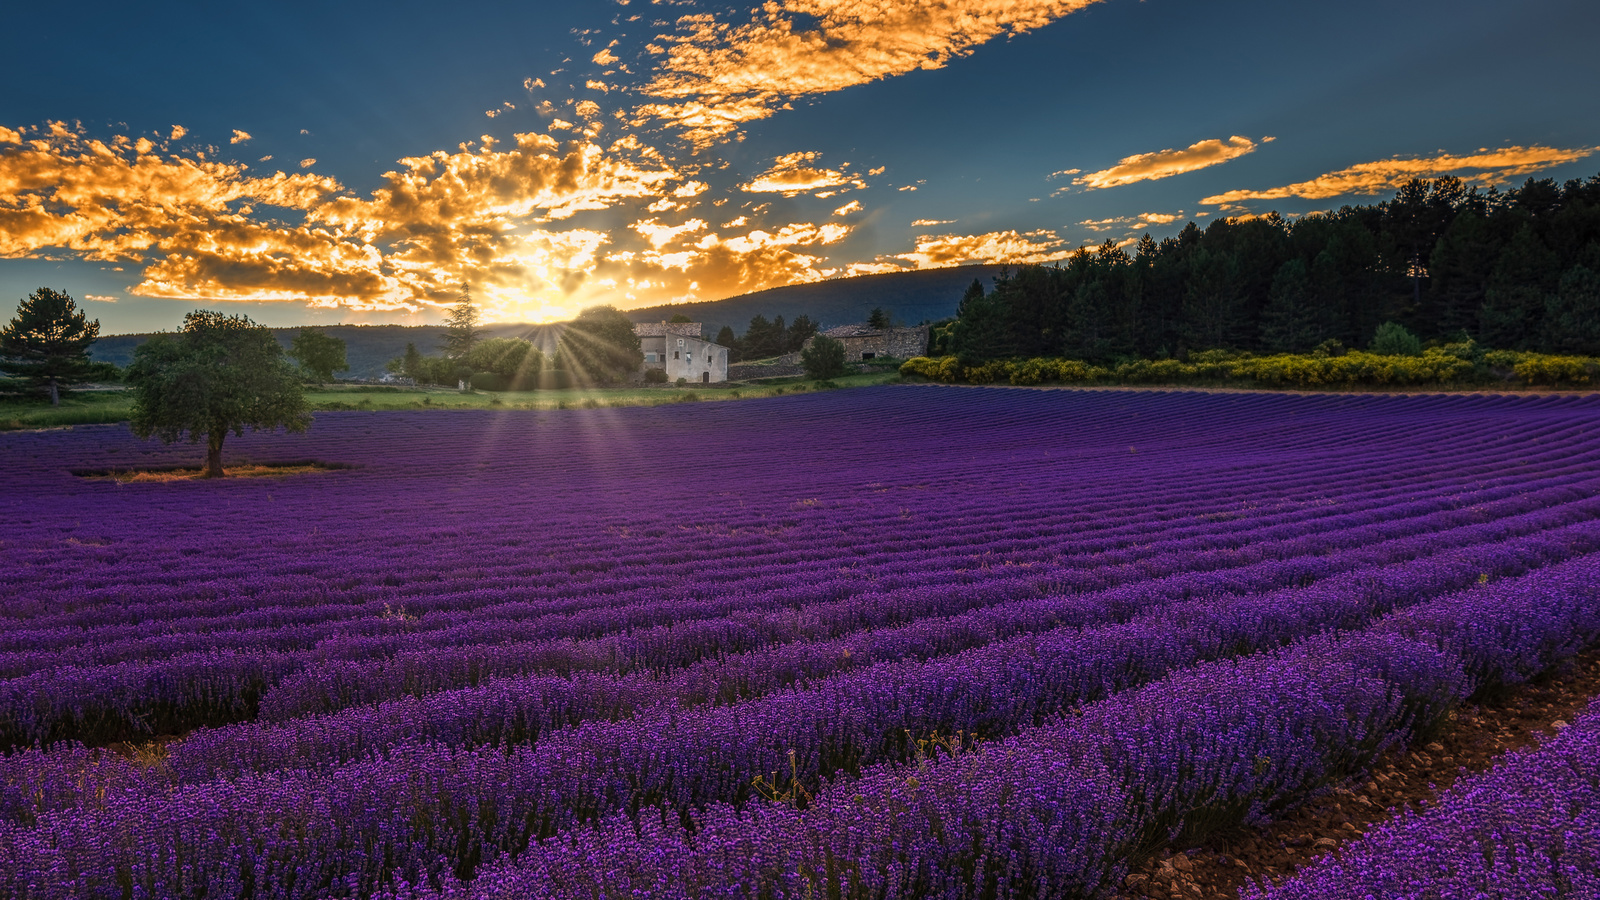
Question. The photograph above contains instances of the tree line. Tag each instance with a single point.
(1513, 270)
(597, 347)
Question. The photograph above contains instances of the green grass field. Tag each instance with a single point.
(99, 407)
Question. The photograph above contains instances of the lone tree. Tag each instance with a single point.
(47, 342)
(319, 353)
(824, 359)
(215, 375)
(461, 327)
(599, 346)
(879, 319)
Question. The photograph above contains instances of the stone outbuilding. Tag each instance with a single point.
(865, 342)
(679, 349)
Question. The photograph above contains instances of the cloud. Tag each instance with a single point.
(7, 136)
(993, 247)
(531, 83)
(178, 131)
(1384, 175)
(206, 230)
(600, 86)
(1167, 163)
(100, 298)
(660, 235)
(932, 223)
(793, 174)
(239, 137)
(717, 266)
(606, 57)
(854, 206)
(588, 109)
(1132, 223)
(308, 162)
(719, 74)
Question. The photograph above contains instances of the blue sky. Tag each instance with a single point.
(307, 163)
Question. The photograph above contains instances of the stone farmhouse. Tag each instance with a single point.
(865, 342)
(678, 348)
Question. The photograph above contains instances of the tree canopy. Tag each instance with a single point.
(47, 342)
(216, 374)
(600, 346)
(319, 354)
(823, 359)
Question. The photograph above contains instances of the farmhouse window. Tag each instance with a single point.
(868, 355)
(676, 355)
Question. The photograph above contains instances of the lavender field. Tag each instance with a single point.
(879, 643)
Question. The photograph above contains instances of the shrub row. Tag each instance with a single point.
(1436, 367)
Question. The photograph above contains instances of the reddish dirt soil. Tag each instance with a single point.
(1472, 741)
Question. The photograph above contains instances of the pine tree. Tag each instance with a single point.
(47, 342)
(461, 327)
(1293, 321)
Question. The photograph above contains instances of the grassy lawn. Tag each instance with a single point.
(110, 406)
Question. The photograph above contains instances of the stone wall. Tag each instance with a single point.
(897, 343)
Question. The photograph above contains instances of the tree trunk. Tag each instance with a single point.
(55, 393)
(214, 453)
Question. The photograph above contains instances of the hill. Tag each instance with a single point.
(910, 297)
(367, 347)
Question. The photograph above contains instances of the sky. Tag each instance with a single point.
(309, 163)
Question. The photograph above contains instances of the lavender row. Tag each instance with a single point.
(1224, 742)
(1057, 811)
(209, 561)
(1528, 828)
(125, 700)
(486, 600)
(521, 710)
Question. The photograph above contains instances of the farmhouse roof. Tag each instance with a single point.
(661, 329)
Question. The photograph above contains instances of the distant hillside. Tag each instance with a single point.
(910, 297)
(367, 347)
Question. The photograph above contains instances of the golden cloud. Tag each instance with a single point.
(718, 74)
(793, 174)
(204, 230)
(1484, 167)
(854, 206)
(994, 247)
(1167, 163)
(239, 137)
(717, 266)
(932, 223)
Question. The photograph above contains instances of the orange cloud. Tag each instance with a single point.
(718, 74)
(239, 137)
(854, 206)
(206, 230)
(1135, 223)
(1167, 163)
(993, 247)
(1484, 167)
(792, 174)
(717, 266)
